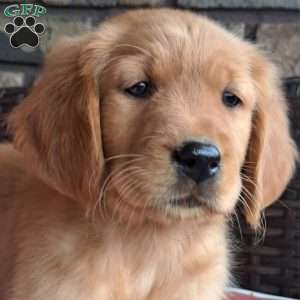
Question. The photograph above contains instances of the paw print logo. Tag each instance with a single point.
(24, 32)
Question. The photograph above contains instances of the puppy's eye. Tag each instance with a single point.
(231, 100)
(140, 89)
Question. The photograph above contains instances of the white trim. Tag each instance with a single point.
(258, 295)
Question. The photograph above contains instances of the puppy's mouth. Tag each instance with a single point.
(186, 202)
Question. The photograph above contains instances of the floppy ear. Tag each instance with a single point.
(57, 127)
(270, 161)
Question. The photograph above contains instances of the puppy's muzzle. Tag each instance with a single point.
(197, 161)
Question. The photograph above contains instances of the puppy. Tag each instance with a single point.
(129, 156)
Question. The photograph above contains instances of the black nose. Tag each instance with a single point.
(198, 161)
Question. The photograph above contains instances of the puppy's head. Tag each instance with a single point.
(159, 115)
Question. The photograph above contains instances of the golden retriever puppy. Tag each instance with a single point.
(129, 156)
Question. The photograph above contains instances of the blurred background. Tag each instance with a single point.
(267, 264)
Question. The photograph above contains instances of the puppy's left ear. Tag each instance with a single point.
(271, 156)
(57, 127)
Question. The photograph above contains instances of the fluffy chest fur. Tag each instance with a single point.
(86, 260)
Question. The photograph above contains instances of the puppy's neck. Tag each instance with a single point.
(158, 234)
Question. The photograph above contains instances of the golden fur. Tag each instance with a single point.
(86, 185)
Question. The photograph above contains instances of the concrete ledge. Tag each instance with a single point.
(245, 4)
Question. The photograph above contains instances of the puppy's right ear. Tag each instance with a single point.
(272, 153)
(57, 127)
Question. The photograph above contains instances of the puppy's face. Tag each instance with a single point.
(172, 114)
(178, 99)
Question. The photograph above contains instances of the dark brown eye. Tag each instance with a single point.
(231, 100)
(140, 89)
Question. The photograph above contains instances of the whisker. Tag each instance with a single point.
(108, 178)
(126, 189)
(119, 156)
(243, 201)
